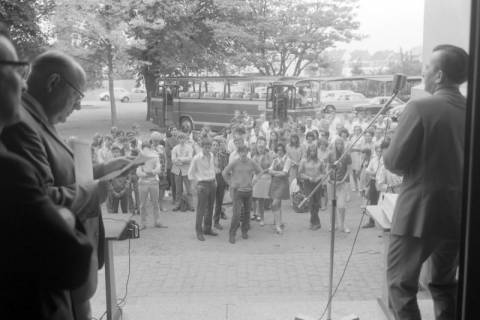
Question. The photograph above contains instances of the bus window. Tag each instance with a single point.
(308, 94)
(260, 91)
(239, 90)
(213, 90)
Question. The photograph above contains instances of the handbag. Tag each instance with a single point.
(297, 198)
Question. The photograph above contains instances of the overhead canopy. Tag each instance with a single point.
(286, 81)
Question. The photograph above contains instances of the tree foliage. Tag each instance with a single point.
(95, 33)
(405, 62)
(23, 19)
(280, 37)
(172, 38)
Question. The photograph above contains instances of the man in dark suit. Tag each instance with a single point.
(55, 90)
(46, 249)
(427, 150)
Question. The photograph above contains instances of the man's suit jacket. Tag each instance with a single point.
(41, 256)
(37, 141)
(427, 149)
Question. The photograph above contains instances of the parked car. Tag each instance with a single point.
(122, 94)
(333, 94)
(343, 102)
(375, 104)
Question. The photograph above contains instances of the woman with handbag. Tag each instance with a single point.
(294, 153)
(310, 171)
(372, 193)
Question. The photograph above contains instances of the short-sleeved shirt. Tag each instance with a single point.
(342, 166)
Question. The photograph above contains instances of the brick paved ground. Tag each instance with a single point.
(170, 264)
(175, 276)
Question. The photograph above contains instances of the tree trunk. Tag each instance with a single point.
(113, 107)
(149, 79)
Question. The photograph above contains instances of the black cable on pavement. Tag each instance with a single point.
(345, 268)
(121, 302)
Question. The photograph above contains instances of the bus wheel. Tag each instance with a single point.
(330, 109)
(187, 123)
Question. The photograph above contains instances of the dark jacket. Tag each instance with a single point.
(37, 141)
(427, 150)
(42, 256)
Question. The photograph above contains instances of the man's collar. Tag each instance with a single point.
(447, 89)
(35, 107)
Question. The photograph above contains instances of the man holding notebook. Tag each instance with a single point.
(55, 89)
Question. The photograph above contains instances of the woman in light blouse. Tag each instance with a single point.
(311, 170)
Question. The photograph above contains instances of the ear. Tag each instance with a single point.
(52, 81)
(440, 77)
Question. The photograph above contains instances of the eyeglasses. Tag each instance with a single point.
(80, 93)
(20, 67)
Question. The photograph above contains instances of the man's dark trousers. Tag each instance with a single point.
(220, 193)
(405, 258)
(242, 203)
(206, 198)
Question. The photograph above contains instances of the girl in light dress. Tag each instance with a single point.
(279, 187)
(262, 181)
(294, 153)
(356, 155)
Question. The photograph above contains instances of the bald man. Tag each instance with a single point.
(48, 251)
(55, 89)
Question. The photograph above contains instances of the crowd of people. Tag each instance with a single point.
(261, 163)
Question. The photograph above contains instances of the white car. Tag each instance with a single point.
(122, 94)
(343, 102)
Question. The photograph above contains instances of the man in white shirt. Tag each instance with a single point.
(182, 155)
(202, 169)
(264, 124)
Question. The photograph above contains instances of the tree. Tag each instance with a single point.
(95, 33)
(23, 19)
(360, 55)
(405, 62)
(280, 37)
(173, 38)
(357, 69)
(333, 63)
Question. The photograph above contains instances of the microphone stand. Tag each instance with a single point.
(334, 199)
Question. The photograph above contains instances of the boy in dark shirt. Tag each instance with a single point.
(239, 175)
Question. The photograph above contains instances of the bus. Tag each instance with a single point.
(194, 102)
(293, 99)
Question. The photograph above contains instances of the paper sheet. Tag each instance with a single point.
(140, 159)
(83, 160)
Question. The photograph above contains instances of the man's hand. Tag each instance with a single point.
(68, 216)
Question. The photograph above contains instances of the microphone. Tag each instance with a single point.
(399, 82)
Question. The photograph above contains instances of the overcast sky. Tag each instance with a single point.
(389, 24)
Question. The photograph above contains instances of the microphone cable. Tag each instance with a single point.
(346, 265)
(122, 301)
